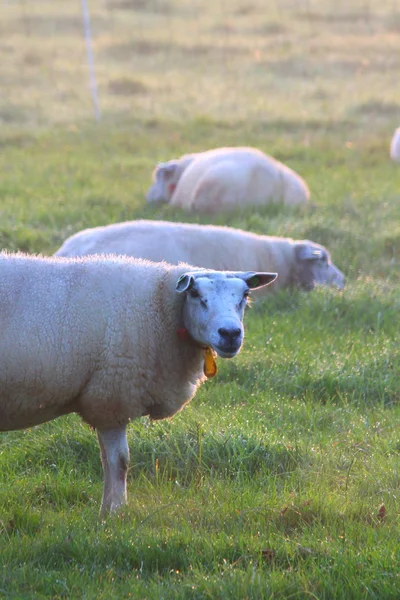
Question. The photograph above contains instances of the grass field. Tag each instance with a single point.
(282, 477)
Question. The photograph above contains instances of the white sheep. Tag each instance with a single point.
(300, 263)
(226, 179)
(395, 146)
(112, 339)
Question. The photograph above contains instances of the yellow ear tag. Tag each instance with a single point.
(210, 366)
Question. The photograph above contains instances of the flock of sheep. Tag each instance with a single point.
(126, 320)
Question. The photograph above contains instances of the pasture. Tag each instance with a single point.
(282, 477)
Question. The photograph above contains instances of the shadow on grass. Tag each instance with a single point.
(387, 109)
(165, 451)
(354, 324)
(125, 86)
(130, 50)
(16, 140)
(121, 549)
(47, 25)
(186, 456)
(334, 17)
(161, 7)
(256, 219)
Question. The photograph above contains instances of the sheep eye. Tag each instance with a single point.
(322, 260)
(194, 293)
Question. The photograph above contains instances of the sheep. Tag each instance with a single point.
(300, 263)
(395, 146)
(226, 179)
(165, 178)
(112, 339)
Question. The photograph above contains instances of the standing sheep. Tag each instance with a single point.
(395, 146)
(99, 337)
(299, 263)
(226, 179)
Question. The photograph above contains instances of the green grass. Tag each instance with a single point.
(270, 484)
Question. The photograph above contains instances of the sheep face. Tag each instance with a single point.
(214, 306)
(165, 178)
(313, 266)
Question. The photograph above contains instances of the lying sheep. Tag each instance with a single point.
(395, 146)
(225, 179)
(298, 263)
(99, 337)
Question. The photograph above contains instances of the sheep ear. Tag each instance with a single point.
(166, 170)
(257, 280)
(184, 283)
(307, 251)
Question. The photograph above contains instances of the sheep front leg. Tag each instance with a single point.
(114, 454)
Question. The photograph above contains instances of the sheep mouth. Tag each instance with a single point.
(227, 351)
(339, 284)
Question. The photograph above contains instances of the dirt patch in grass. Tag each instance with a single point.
(334, 17)
(12, 114)
(292, 67)
(141, 5)
(297, 67)
(126, 87)
(130, 50)
(7, 49)
(247, 9)
(270, 29)
(139, 47)
(210, 50)
(32, 60)
(37, 25)
(375, 107)
(17, 140)
(393, 23)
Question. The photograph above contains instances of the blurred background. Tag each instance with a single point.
(297, 61)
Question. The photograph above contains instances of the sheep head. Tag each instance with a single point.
(165, 179)
(163, 182)
(313, 266)
(214, 306)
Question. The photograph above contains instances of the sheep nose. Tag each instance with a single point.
(339, 280)
(230, 335)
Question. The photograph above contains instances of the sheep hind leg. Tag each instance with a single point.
(114, 454)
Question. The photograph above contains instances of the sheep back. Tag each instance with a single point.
(225, 178)
(206, 246)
